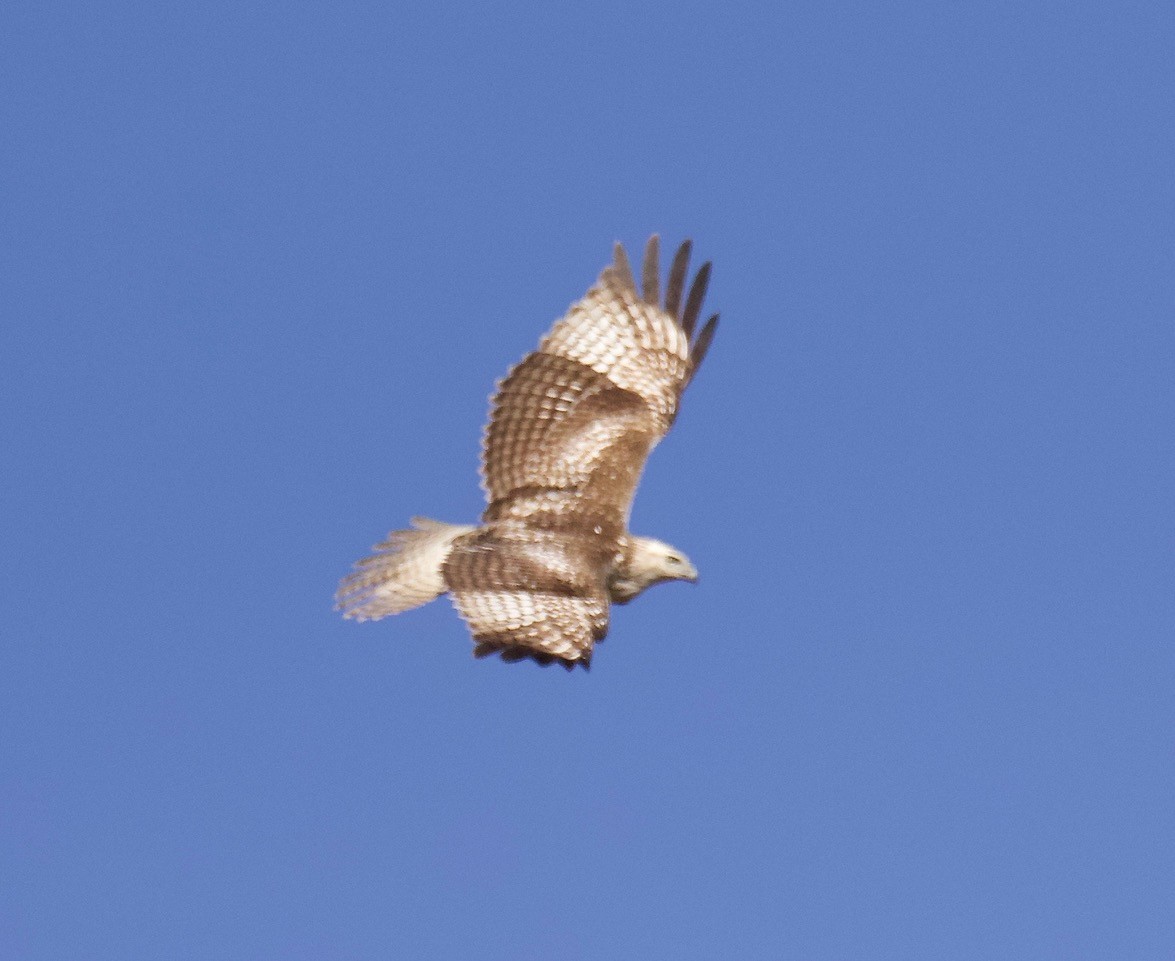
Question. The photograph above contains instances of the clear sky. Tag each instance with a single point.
(260, 267)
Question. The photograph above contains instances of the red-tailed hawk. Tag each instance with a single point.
(570, 429)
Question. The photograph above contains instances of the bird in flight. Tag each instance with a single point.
(570, 429)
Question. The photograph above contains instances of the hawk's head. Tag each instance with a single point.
(646, 562)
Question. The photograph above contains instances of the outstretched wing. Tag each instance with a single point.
(529, 593)
(571, 426)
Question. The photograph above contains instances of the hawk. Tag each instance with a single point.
(570, 429)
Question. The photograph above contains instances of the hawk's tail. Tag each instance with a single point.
(405, 572)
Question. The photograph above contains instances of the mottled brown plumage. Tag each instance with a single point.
(570, 429)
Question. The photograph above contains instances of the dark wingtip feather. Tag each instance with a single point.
(621, 265)
(513, 653)
(677, 272)
(697, 293)
(702, 344)
(651, 271)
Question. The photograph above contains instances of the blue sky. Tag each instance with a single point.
(262, 265)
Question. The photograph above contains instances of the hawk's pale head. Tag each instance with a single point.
(646, 562)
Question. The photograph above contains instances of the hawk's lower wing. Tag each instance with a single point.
(529, 594)
(546, 627)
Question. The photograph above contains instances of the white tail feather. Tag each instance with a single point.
(405, 572)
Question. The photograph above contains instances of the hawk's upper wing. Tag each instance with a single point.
(572, 425)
